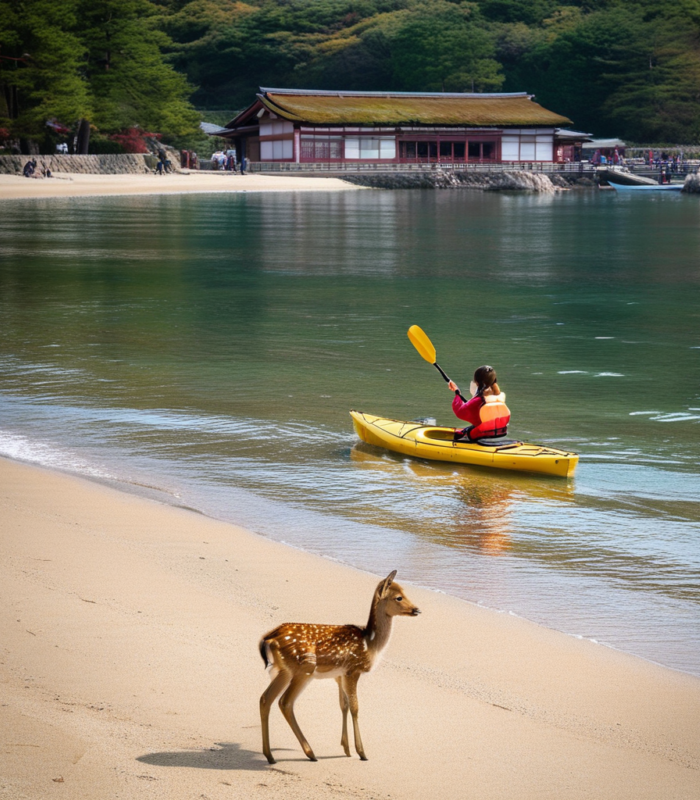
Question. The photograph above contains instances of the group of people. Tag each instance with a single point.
(227, 161)
(615, 158)
(664, 161)
(164, 165)
(32, 170)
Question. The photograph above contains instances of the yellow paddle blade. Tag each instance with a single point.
(419, 339)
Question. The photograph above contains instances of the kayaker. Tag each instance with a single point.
(486, 411)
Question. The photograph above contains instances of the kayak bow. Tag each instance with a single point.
(435, 443)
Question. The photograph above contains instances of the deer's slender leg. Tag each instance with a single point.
(344, 705)
(350, 686)
(296, 687)
(268, 697)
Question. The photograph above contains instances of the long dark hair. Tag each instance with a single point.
(485, 378)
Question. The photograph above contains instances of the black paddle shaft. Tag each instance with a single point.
(447, 380)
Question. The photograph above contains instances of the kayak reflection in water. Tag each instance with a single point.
(486, 411)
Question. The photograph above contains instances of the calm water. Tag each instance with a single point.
(207, 349)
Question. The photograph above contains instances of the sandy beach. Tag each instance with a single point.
(16, 187)
(129, 668)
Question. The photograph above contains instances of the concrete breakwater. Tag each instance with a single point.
(486, 181)
(117, 164)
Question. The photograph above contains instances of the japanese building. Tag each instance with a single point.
(302, 125)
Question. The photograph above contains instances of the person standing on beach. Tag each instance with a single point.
(244, 163)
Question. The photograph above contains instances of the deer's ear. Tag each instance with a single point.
(386, 583)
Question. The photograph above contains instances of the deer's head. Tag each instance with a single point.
(392, 599)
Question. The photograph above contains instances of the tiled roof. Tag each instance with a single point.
(397, 108)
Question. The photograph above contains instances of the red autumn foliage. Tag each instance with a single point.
(133, 140)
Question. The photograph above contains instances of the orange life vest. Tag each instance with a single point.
(494, 416)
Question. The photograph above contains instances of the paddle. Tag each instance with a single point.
(426, 349)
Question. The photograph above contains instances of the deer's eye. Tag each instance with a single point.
(398, 599)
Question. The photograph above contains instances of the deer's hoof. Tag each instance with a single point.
(363, 757)
(271, 760)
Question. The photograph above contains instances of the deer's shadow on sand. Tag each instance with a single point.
(224, 756)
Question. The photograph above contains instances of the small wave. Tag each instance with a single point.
(21, 448)
(604, 337)
(645, 413)
(610, 375)
(572, 372)
(681, 416)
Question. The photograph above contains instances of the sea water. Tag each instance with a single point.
(206, 350)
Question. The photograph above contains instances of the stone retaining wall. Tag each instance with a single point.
(122, 164)
(517, 180)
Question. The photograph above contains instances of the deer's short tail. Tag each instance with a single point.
(264, 652)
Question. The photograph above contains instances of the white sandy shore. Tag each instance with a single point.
(15, 187)
(129, 669)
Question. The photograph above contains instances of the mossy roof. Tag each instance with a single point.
(374, 108)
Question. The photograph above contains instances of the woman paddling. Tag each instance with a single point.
(486, 412)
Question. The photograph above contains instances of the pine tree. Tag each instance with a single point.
(40, 61)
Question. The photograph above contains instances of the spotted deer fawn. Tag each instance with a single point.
(298, 653)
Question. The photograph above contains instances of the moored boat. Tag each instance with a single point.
(437, 443)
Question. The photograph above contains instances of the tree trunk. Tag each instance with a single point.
(83, 138)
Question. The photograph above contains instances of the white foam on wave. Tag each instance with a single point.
(610, 375)
(680, 416)
(604, 337)
(572, 372)
(21, 448)
(643, 413)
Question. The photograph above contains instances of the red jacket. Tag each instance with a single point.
(468, 411)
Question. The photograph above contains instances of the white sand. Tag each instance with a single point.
(15, 187)
(129, 669)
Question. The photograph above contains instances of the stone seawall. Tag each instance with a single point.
(122, 164)
(516, 180)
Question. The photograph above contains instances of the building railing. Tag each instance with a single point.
(368, 166)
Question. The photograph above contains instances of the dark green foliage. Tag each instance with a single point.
(101, 60)
(40, 59)
(628, 68)
(444, 48)
(101, 145)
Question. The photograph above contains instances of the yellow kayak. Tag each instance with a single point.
(428, 441)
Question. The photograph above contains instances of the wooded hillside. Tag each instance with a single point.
(629, 68)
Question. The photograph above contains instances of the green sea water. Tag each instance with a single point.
(206, 350)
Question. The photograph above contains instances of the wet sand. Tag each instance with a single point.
(129, 668)
(15, 187)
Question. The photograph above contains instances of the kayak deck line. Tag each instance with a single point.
(437, 443)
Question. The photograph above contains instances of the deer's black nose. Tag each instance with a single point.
(415, 612)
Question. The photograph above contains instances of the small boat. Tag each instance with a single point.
(435, 443)
(658, 187)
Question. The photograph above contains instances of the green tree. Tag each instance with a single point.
(40, 67)
(443, 47)
(131, 82)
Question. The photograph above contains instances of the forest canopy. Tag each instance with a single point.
(628, 68)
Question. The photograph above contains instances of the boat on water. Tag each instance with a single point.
(659, 187)
(622, 180)
(436, 443)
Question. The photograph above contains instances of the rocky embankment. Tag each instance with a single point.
(519, 181)
(691, 185)
(122, 164)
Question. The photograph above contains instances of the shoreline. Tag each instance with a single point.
(152, 493)
(16, 187)
(129, 666)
